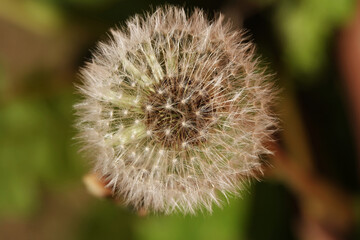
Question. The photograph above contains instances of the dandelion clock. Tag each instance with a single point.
(175, 111)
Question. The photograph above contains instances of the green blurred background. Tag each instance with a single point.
(44, 42)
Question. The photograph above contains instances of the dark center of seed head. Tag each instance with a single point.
(179, 112)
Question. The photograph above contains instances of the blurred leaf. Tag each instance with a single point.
(105, 220)
(36, 150)
(305, 27)
(20, 141)
(225, 224)
(35, 15)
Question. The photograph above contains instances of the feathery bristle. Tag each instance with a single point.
(175, 110)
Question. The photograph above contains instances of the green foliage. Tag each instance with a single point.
(37, 16)
(105, 220)
(305, 27)
(36, 150)
(225, 224)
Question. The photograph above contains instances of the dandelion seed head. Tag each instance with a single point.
(182, 102)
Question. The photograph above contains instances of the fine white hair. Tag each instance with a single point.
(175, 111)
